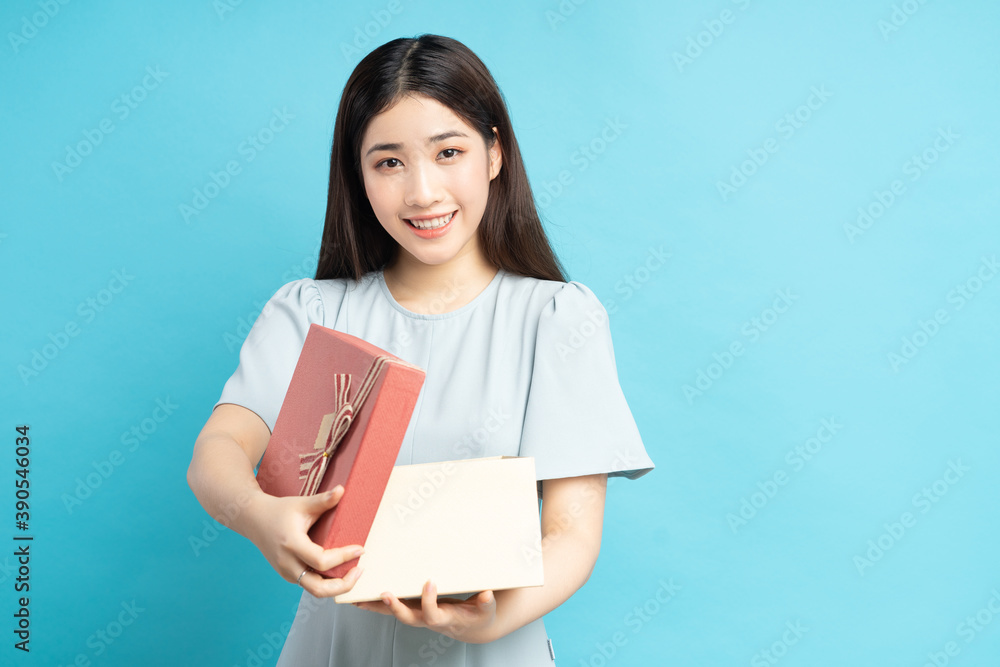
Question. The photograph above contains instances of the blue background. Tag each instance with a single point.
(663, 132)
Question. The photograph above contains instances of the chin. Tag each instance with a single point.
(436, 255)
(433, 259)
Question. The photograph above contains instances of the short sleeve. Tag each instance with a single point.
(577, 421)
(271, 350)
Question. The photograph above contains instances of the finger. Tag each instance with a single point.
(401, 611)
(317, 557)
(321, 587)
(321, 502)
(434, 616)
(374, 605)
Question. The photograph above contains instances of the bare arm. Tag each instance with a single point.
(221, 470)
(221, 476)
(572, 523)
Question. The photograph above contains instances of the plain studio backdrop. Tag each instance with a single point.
(789, 210)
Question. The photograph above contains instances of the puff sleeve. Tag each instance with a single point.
(271, 350)
(577, 421)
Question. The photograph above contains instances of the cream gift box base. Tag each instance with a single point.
(469, 525)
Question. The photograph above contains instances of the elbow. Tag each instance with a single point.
(193, 478)
(590, 570)
(592, 548)
(590, 551)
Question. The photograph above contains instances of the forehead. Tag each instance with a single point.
(412, 120)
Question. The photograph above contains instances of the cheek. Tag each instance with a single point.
(377, 196)
(475, 185)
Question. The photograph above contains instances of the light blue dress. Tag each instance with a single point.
(526, 368)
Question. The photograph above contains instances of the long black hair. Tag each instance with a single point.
(510, 234)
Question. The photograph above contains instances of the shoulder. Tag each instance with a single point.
(318, 299)
(553, 300)
(297, 295)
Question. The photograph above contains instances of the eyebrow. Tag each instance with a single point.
(430, 140)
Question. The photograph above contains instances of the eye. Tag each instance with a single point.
(455, 152)
(388, 159)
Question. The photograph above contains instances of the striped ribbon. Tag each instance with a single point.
(333, 427)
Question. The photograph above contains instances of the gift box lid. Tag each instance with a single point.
(468, 525)
(342, 421)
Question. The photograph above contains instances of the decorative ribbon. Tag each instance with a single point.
(333, 427)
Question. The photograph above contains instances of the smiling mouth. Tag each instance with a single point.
(433, 223)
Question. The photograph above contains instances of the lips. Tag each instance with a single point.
(431, 223)
(432, 228)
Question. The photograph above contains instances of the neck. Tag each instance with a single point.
(437, 288)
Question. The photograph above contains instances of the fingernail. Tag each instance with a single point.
(357, 552)
(385, 599)
(431, 588)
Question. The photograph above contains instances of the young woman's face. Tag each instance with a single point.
(427, 175)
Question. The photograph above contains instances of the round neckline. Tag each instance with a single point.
(491, 287)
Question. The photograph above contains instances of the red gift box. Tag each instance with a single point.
(342, 421)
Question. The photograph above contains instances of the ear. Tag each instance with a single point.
(496, 155)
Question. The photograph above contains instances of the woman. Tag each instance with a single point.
(433, 250)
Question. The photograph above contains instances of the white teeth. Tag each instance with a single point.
(433, 223)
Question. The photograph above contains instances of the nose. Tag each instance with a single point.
(423, 188)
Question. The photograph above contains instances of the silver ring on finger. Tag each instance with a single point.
(298, 582)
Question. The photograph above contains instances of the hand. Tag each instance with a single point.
(280, 529)
(471, 621)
